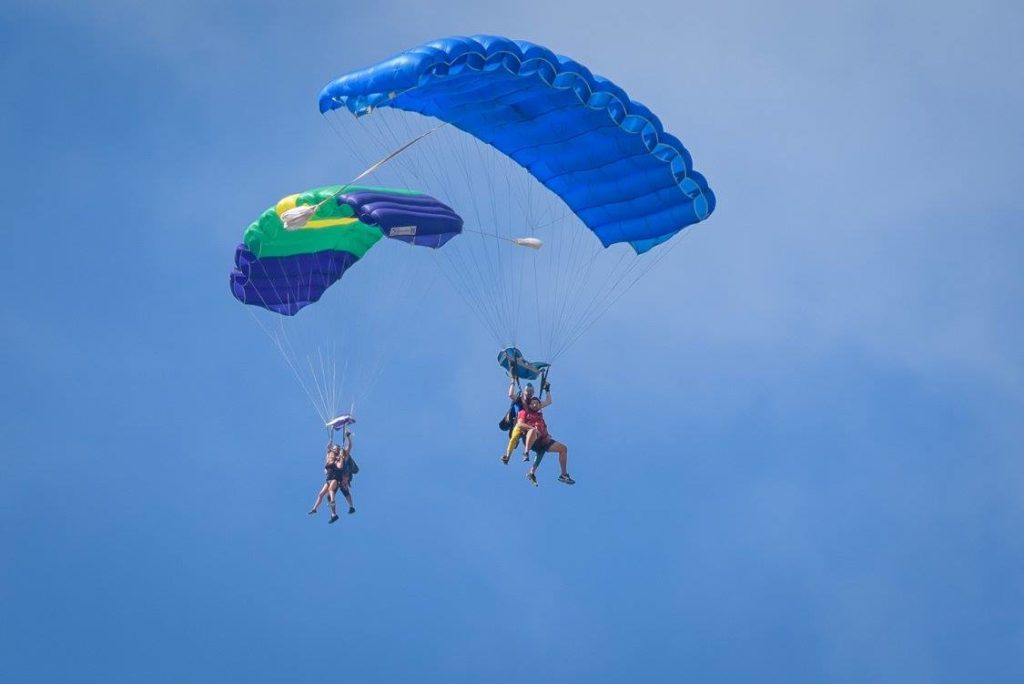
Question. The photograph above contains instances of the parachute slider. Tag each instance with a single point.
(532, 243)
(298, 217)
(340, 422)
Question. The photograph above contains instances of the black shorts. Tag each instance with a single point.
(542, 445)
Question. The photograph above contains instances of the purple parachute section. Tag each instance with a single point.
(286, 284)
(417, 219)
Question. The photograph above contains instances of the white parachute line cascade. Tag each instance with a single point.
(321, 379)
(650, 267)
(288, 361)
(316, 368)
(471, 265)
(296, 218)
(282, 341)
(312, 377)
(574, 278)
(462, 278)
(372, 128)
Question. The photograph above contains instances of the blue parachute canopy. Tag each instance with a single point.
(605, 155)
(511, 358)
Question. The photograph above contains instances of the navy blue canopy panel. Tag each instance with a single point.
(286, 284)
(415, 219)
(605, 155)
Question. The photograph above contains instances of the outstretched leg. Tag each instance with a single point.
(563, 461)
(515, 434)
(531, 437)
(331, 498)
(563, 455)
(344, 486)
(319, 498)
(532, 474)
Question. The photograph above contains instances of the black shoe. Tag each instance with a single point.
(334, 519)
(351, 510)
(504, 459)
(566, 479)
(312, 511)
(532, 478)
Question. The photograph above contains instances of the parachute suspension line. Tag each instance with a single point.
(394, 154)
(317, 383)
(555, 291)
(355, 150)
(493, 298)
(506, 268)
(495, 252)
(299, 216)
(283, 343)
(335, 390)
(603, 292)
(472, 280)
(475, 283)
(661, 256)
(580, 273)
(490, 300)
(463, 279)
(530, 242)
(330, 367)
(561, 295)
(544, 380)
(288, 361)
(292, 358)
(378, 130)
(536, 295)
(328, 385)
(490, 282)
(571, 316)
(469, 280)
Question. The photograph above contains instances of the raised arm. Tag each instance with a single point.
(512, 391)
(546, 401)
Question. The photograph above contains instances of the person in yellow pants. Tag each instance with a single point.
(519, 401)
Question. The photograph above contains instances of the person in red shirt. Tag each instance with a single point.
(531, 420)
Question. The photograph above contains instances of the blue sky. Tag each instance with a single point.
(805, 466)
